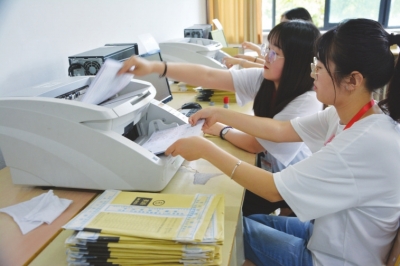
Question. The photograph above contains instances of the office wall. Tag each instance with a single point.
(36, 37)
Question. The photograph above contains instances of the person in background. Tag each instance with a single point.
(258, 61)
(282, 90)
(245, 61)
(296, 13)
(346, 194)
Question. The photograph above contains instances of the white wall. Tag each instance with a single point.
(36, 37)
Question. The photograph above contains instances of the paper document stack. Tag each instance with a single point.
(133, 228)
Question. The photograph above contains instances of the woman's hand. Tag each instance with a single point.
(231, 61)
(210, 114)
(246, 57)
(252, 46)
(215, 129)
(191, 148)
(138, 66)
(238, 59)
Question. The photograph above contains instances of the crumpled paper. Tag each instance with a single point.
(30, 214)
(199, 178)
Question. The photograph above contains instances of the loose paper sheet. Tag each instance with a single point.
(106, 83)
(160, 140)
(44, 208)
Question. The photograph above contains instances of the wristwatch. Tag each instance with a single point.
(224, 131)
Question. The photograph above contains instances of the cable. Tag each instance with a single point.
(72, 67)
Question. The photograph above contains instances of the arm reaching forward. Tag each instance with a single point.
(260, 127)
(193, 74)
(249, 176)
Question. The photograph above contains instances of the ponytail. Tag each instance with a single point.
(391, 104)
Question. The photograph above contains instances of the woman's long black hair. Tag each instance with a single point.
(296, 38)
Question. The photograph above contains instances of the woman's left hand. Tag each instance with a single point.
(191, 148)
(214, 130)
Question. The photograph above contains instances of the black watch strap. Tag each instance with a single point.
(221, 133)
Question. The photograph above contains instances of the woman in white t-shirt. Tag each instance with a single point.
(281, 90)
(349, 187)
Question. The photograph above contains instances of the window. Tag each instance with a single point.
(394, 14)
(328, 13)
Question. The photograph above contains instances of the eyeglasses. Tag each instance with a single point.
(315, 69)
(266, 51)
(314, 72)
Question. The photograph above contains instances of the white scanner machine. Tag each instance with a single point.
(50, 138)
(194, 50)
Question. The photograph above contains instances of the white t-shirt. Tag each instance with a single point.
(350, 187)
(277, 156)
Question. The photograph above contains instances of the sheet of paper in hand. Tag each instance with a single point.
(160, 140)
(106, 83)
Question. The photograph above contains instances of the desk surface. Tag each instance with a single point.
(180, 98)
(18, 249)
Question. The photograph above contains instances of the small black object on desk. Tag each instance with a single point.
(190, 108)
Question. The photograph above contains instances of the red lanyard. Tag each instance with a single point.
(355, 118)
(360, 114)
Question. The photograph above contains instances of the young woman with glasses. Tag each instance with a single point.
(346, 194)
(282, 90)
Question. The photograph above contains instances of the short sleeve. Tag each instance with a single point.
(315, 129)
(318, 185)
(246, 82)
(303, 105)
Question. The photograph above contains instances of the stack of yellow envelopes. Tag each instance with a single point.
(133, 228)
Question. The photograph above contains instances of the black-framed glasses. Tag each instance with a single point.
(271, 54)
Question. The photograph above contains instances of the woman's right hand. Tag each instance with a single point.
(140, 67)
(245, 57)
(210, 114)
(231, 61)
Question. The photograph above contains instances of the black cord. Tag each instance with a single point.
(72, 67)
